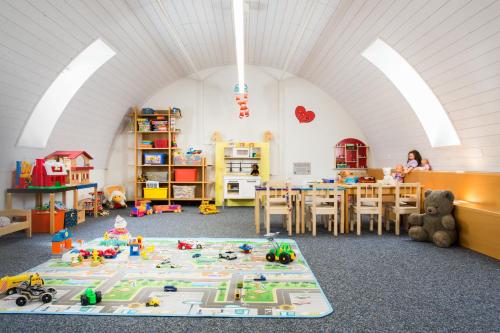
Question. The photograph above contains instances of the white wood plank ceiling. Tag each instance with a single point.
(453, 44)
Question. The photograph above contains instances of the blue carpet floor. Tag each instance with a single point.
(382, 284)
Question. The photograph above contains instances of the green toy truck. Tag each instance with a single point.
(90, 297)
(282, 252)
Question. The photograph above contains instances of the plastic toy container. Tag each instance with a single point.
(155, 193)
(161, 143)
(40, 220)
(185, 175)
(184, 192)
(155, 158)
(157, 176)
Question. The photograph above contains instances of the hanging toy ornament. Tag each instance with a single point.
(242, 100)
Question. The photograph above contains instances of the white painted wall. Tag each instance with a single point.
(208, 105)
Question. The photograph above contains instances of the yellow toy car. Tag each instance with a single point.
(208, 208)
(153, 301)
(8, 284)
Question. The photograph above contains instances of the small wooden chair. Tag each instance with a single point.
(324, 202)
(368, 202)
(407, 201)
(278, 201)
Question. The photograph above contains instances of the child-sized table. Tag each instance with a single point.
(39, 192)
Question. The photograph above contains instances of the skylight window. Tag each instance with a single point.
(418, 94)
(44, 117)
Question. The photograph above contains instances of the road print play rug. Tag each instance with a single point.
(207, 285)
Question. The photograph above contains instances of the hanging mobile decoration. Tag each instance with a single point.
(242, 100)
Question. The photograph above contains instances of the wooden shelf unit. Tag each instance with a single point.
(351, 154)
(202, 184)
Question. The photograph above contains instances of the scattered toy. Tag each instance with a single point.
(169, 288)
(8, 284)
(90, 297)
(153, 301)
(196, 255)
(246, 248)
(29, 291)
(207, 208)
(260, 278)
(282, 252)
(228, 255)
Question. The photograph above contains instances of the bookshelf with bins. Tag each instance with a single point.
(351, 153)
(155, 136)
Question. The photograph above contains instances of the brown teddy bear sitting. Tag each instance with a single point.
(437, 223)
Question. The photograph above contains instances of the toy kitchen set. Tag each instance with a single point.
(239, 168)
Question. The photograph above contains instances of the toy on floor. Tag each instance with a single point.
(8, 284)
(437, 224)
(31, 290)
(119, 234)
(61, 240)
(142, 208)
(163, 263)
(158, 209)
(90, 297)
(146, 252)
(246, 248)
(260, 278)
(228, 255)
(134, 248)
(189, 245)
(114, 196)
(97, 258)
(169, 288)
(282, 252)
(153, 301)
(207, 208)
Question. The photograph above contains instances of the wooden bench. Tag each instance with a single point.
(477, 204)
(16, 225)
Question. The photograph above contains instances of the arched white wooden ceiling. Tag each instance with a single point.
(453, 44)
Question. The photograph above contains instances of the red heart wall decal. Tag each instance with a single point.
(303, 115)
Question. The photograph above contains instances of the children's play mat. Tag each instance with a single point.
(207, 285)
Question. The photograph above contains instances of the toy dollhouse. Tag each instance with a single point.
(78, 172)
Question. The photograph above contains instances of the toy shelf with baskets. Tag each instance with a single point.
(155, 143)
(351, 153)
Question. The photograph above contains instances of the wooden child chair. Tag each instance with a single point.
(368, 202)
(278, 201)
(325, 202)
(407, 201)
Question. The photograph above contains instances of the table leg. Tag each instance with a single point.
(342, 217)
(302, 212)
(346, 211)
(52, 213)
(64, 198)
(8, 201)
(95, 201)
(38, 199)
(257, 212)
(298, 213)
(75, 199)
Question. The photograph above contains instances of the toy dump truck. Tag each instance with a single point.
(207, 208)
(33, 290)
(281, 251)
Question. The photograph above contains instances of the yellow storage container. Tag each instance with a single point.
(155, 193)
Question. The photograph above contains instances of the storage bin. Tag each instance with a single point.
(185, 175)
(155, 158)
(155, 193)
(159, 176)
(70, 218)
(161, 143)
(40, 221)
(184, 192)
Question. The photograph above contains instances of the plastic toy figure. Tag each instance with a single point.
(282, 252)
(246, 248)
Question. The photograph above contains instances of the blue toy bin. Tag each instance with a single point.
(155, 158)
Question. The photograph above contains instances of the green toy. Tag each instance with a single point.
(90, 297)
(282, 252)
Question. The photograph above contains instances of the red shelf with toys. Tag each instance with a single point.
(351, 153)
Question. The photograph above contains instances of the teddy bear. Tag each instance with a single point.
(437, 224)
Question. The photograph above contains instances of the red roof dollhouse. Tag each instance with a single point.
(48, 174)
(77, 174)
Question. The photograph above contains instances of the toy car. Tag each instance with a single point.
(228, 255)
(110, 253)
(206, 208)
(245, 248)
(196, 255)
(163, 263)
(260, 278)
(85, 254)
(239, 284)
(182, 245)
(282, 252)
(90, 297)
(169, 288)
(237, 295)
(33, 292)
(153, 301)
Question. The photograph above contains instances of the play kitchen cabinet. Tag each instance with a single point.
(240, 187)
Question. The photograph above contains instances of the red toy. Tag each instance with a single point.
(48, 174)
(182, 245)
(78, 173)
(110, 253)
(158, 209)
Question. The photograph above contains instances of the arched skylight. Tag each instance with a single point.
(418, 94)
(44, 117)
